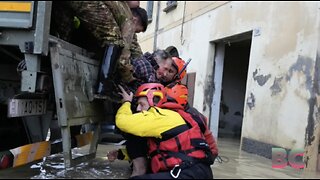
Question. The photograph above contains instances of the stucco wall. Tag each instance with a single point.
(282, 59)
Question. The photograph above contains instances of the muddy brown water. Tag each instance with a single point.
(234, 163)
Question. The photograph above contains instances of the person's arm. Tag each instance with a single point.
(139, 124)
(151, 123)
(120, 154)
(144, 71)
(203, 124)
(211, 142)
(124, 18)
(135, 48)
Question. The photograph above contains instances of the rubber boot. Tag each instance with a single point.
(139, 166)
(107, 71)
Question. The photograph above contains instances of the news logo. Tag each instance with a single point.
(281, 158)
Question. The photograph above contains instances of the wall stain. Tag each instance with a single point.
(251, 101)
(313, 87)
(255, 72)
(261, 79)
(309, 137)
(276, 88)
(317, 87)
(304, 65)
(317, 75)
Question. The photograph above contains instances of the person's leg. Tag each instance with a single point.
(197, 171)
(109, 22)
(161, 175)
(127, 28)
(107, 70)
(137, 151)
(97, 19)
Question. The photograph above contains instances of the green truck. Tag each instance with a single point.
(46, 89)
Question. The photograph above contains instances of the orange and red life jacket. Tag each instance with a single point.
(186, 148)
(203, 124)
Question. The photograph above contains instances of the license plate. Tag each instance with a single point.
(26, 107)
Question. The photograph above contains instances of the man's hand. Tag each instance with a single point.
(125, 95)
(112, 155)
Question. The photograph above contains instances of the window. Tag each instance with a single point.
(189, 80)
(150, 11)
(170, 6)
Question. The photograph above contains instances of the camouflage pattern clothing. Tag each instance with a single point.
(135, 48)
(108, 22)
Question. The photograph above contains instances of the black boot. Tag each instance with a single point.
(107, 71)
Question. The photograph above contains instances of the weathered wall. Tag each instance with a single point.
(282, 60)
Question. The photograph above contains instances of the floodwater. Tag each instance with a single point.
(52, 167)
(233, 164)
(237, 164)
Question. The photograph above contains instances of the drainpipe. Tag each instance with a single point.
(157, 27)
(183, 17)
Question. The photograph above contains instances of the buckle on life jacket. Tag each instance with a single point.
(175, 171)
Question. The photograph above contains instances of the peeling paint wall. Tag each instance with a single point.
(279, 101)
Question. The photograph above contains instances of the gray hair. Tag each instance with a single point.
(161, 55)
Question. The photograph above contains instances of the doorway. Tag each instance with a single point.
(230, 79)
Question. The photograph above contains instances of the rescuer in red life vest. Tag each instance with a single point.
(177, 147)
